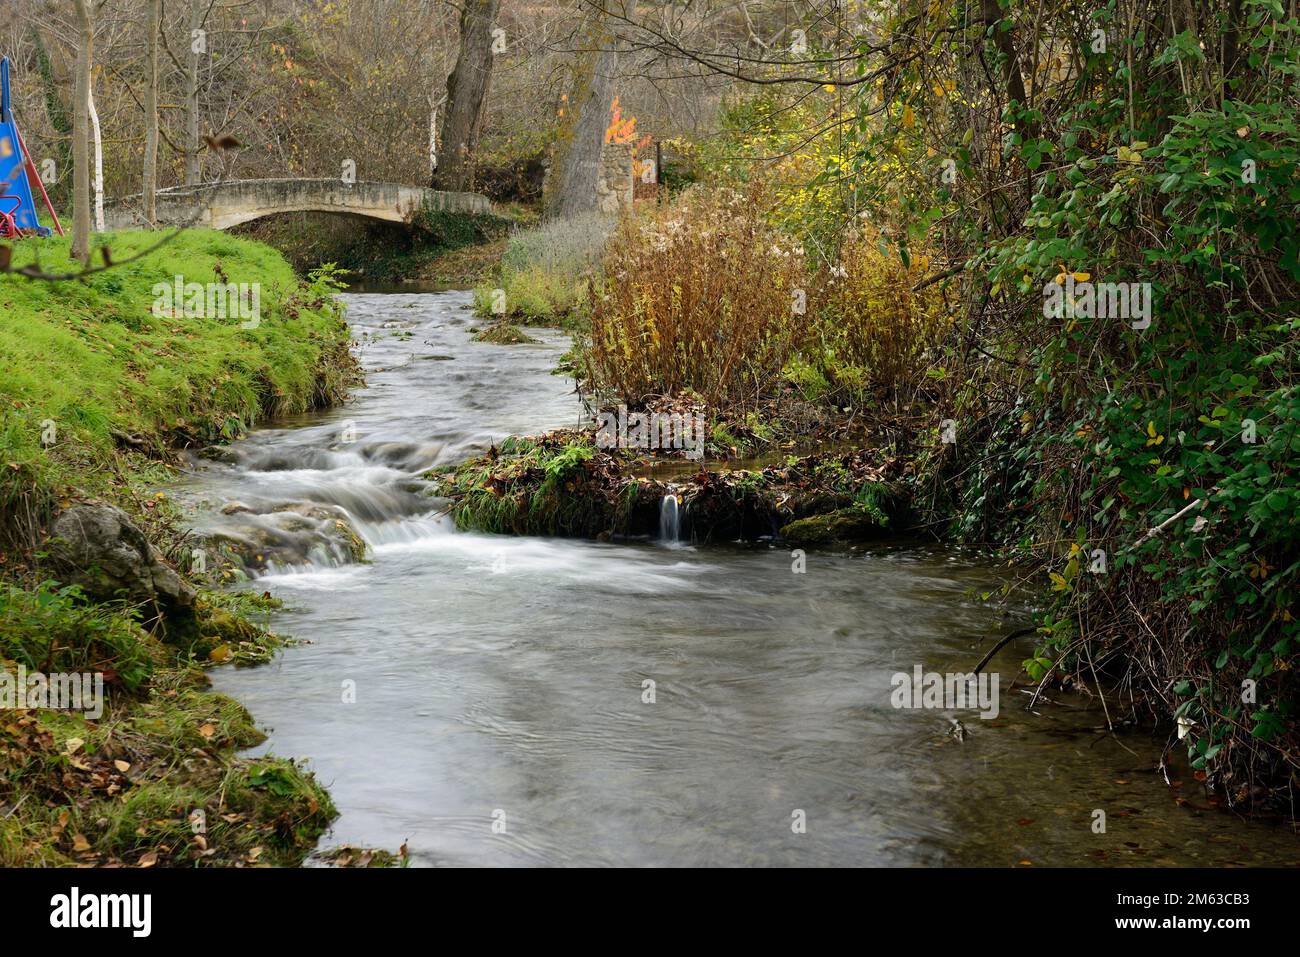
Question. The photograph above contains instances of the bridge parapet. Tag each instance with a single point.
(223, 205)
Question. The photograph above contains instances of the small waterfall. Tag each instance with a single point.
(670, 522)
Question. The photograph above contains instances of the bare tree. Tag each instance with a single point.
(81, 137)
(153, 25)
(198, 44)
(467, 87)
(575, 164)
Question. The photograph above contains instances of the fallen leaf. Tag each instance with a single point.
(79, 842)
(207, 730)
(122, 766)
(148, 860)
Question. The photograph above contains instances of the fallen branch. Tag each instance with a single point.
(1152, 533)
(939, 277)
(1018, 633)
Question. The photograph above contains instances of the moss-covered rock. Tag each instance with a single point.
(503, 334)
(842, 525)
(562, 484)
(555, 484)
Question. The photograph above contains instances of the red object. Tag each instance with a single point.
(35, 177)
(8, 227)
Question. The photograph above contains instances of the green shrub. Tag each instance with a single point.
(51, 629)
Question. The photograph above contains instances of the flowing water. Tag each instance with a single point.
(542, 701)
(670, 523)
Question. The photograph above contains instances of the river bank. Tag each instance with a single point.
(103, 384)
(683, 677)
(499, 711)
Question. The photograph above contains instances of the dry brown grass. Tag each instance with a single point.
(883, 335)
(700, 295)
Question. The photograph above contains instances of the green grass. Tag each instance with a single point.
(87, 362)
(49, 628)
(545, 272)
(96, 389)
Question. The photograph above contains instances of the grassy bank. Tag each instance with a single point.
(545, 273)
(102, 383)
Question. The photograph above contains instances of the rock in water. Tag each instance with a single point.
(842, 525)
(97, 547)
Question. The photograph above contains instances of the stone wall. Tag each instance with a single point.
(614, 180)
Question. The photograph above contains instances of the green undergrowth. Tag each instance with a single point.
(546, 273)
(90, 368)
(101, 384)
(153, 780)
(551, 485)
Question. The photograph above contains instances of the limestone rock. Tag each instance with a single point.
(97, 547)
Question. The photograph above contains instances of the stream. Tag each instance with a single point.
(500, 713)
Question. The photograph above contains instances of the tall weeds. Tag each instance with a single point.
(701, 295)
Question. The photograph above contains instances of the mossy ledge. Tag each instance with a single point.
(100, 390)
(561, 484)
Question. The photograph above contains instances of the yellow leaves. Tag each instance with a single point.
(1261, 569)
(1060, 276)
(79, 843)
(829, 87)
(219, 653)
(1133, 154)
(1153, 437)
(909, 118)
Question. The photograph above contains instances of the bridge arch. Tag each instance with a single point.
(223, 205)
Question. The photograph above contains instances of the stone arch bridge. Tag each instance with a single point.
(223, 205)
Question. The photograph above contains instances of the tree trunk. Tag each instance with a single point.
(467, 88)
(97, 181)
(1006, 46)
(151, 112)
(575, 163)
(193, 166)
(80, 137)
